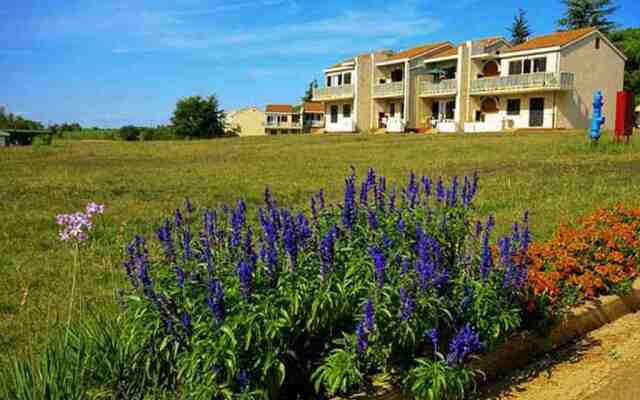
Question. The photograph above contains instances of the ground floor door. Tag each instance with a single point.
(536, 112)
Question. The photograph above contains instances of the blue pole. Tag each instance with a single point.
(598, 119)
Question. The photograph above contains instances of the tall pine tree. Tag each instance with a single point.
(308, 95)
(588, 13)
(520, 29)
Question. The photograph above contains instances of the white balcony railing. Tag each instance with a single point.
(316, 124)
(391, 89)
(282, 125)
(443, 87)
(333, 93)
(526, 82)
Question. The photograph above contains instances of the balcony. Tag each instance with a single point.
(443, 88)
(391, 89)
(333, 93)
(539, 82)
(282, 125)
(315, 124)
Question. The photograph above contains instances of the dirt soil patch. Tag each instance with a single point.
(605, 365)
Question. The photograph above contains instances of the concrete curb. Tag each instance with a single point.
(522, 348)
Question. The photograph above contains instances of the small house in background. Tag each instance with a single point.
(285, 118)
(4, 139)
(246, 121)
(313, 116)
(282, 118)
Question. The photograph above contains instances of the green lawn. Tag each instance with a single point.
(557, 176)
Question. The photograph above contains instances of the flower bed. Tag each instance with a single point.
(598, 256)
(393, 285)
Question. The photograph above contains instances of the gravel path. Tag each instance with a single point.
(605, 365)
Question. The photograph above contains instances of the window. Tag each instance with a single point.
(295, 118)
(339, 80)
(328, 81)
(513, 107)
(527, 67)
(334, 114)
(450, 109)
(284, 118)
(396, 75)
(515, 67)
(597, 43)
(540, 64)
(401, 110)
(346, 110)
(392, 110)
(489, 105)
(347, 78)
(269, 119)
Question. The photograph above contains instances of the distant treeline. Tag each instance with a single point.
(194, 118)
(11, 121)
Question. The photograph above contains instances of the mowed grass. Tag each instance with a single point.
(557, 176)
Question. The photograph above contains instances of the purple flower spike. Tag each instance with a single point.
(379, 263)
(465, 343)
(407, 304)
(181, 277)
(369, 316)
(246, 279)
(362, 339)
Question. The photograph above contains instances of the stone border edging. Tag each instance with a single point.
(523, 347)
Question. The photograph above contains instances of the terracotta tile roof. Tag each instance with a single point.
(313, 107)
(340, 64)
(552, 40)
(451, 51)
(279, 108)
(416, 51)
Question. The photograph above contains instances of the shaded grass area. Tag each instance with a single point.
(557, 176)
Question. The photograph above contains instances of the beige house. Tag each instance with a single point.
(478, 86)
(285, 118)
(246, 121)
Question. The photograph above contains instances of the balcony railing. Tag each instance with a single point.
(333, 93)
(391, 89)
(442, 88)
(282, 125)
(526, 82)
(315, 124)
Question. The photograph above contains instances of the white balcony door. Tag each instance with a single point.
(339, 117)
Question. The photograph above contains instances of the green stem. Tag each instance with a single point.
(73, 289)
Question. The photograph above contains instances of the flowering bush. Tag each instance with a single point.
(392, 282)
(598, 256)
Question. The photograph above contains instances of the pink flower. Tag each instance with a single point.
(77, 226)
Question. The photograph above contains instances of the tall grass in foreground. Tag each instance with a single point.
(89, 361)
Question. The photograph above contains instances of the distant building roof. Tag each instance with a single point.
(279, 108)
(556, 39)
(313, 107)
(416, 51)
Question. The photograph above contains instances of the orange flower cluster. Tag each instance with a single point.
(601, 252)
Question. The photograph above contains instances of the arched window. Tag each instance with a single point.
(489, 105)
(491, 69)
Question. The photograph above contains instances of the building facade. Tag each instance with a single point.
(247, 121)
(285, 118)
(483, 85)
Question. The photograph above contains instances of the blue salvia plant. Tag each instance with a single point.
(394, 281)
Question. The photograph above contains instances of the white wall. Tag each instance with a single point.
(552, 62)
(522, 120)
(343, 124)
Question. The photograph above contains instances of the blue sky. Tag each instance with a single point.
(112, 63)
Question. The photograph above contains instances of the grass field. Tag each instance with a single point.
(557, 176)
